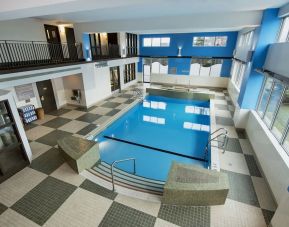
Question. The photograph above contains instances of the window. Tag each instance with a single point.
(114, 78)
(246, 39)
(238, 72)
(284, 32)
(273, 108)
(129, 73)
(159, 66)
(156, 42)
(131, 44)
(217, 41)
(206, 67)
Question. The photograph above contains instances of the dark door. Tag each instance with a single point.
(46, 95)
(54, 42)
(70, 39)
(113, 47)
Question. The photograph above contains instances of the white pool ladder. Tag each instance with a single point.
(221, 144)
(112, 168)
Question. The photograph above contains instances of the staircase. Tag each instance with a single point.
(128, 180)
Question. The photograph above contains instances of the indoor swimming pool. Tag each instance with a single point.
(157, 131)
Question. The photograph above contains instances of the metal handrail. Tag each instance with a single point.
(224, 143)
(112, 168)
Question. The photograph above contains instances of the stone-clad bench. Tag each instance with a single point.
(79, 153)
(194, 186)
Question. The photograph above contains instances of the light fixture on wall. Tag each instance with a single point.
(179, 51)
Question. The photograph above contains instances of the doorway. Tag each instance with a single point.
(70, 39)
(46, 95)
(114, 78)
(54, 42)
(146, 73)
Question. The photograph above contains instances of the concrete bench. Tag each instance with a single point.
(194, 186)
(79, 153)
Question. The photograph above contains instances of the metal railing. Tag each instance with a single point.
(138, 93)
(112, 168)
(221, 144)
(110, 51)
(18, 54)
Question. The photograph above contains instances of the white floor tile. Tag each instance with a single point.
(234, 162)
(231, 130)
(38, 149)
(65, 173)
(11, 218)
(18, 185)
(37, 132)
(236, 214)
(73, 126)
(263, 193)
(73, 114)
(82, 208)
(162, 223)
(148, 207)
(223, 113)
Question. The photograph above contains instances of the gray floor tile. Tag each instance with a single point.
(29, 126)
(110, 104)
(97, 189)
(224, 121)
(59, 112)
(112, 112)
(2, 208)
(221, 107)
(87, 129)
(241, 188)
(252, 166)
(84, 109)
(129, 101)
(52, 137)
(195, 216)
(42, 201)
(241, 133)
(88, 117)
(233, 145)
(121, 215)
(48, 162)
(128, 96)
(56, 122)
(268, 215)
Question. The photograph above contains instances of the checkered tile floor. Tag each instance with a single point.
(49, 193)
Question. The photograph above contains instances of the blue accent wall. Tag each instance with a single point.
(185, 40)
(252, 83)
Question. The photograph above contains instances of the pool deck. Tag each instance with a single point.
(50, 193)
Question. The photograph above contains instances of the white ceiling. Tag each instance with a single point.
(102, 10)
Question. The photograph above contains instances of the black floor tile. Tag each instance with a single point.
(241, 133)
(127, 96)
(194, 216)
(52, 137)
(111, 104)
(88, 117)
(42, 201)
(29, 126)
(56, 122)
(87, 129)
(59, 112)
(241, 188)
(48, 162)
(252, 165)
(112, 112)
(121, 215)
(2, 208)
(84, 109)
(233, 145)
(129, 101)
(224, 121)
(97, 189)
(268, 215)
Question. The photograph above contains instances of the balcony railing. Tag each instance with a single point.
(20, 54)
(105, 52)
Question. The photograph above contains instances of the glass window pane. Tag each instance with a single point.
(286, 143)
(283, 36)
(282, 116)
(198, 41)
(265, 96)
(147, 42)
(165, 42)
(221, 41)
(156, 42)
(209, 41)
(273, 102)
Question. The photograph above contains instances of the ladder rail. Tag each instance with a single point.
(112, 166)
(215, 138)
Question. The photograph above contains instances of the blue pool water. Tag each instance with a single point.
(160, 124)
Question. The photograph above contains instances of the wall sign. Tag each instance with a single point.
(24, 92)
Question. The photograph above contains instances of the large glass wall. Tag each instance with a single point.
(273, 108)
(114, 78)
(129, 73)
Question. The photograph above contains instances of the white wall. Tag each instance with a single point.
(24, 29)
(202, 81)
(272, 158)
(70, 83)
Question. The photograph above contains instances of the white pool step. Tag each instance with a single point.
(128, 180)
